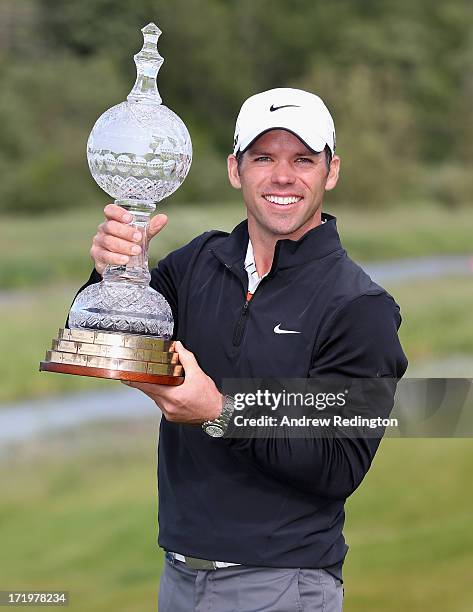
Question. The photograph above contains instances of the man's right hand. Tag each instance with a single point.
(116, 240)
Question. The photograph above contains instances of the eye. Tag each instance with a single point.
(304, 160)
(262, 158)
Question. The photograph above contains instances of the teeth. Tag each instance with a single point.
(282, 201)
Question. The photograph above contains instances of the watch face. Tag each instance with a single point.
(214, 430)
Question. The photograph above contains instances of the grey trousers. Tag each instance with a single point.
(248, 589)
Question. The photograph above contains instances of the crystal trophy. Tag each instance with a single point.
(139, 152)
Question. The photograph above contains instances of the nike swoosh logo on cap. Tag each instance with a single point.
(273, 108)
(278, 330)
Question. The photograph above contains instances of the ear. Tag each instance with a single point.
(333, 173)
(233, 175)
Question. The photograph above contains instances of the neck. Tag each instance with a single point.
(264, 242)
(263, 250)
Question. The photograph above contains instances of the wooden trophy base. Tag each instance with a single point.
(100, 354)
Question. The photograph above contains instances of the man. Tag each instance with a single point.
(256, 524)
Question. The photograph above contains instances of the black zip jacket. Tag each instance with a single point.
(275, 502)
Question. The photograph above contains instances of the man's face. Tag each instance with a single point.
(283, 184)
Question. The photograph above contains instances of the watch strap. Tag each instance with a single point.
(217, 428)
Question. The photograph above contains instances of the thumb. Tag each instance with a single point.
(156, 224)
(186, 357)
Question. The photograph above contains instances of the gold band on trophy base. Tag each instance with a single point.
(102, 354)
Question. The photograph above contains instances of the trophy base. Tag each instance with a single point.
(118, 356)
(63, 368)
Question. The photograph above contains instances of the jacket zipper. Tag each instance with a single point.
(240, 326)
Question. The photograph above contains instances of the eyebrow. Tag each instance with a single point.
(252, 151)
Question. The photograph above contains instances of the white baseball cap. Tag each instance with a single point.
(302, 113)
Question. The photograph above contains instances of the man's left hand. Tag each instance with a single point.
(195, 401)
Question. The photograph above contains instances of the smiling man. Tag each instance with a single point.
(283, 181)
(255, 524)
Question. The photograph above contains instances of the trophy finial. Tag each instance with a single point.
(152, 29)
(148, 62)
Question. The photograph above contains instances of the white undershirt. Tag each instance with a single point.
(250, 266)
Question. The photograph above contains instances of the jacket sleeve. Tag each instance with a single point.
(359, 341)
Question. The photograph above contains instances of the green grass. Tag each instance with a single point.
(437, 317)
(28, 323)
(436, 324)
(78, 513)
(409, 527)
(408, 231)
(54, 248)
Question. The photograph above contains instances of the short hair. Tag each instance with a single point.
(327, 151)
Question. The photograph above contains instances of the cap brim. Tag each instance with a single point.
(315, 146)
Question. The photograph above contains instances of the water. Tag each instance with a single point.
(401, 270)
(23, 420)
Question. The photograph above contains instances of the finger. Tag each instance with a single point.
(112, 211)
(187, 358)
(156, 224)
(103, 258)
(120, 230)
(116, 245)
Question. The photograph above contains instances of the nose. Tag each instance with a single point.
(283, 174)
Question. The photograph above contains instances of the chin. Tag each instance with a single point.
(284, 230)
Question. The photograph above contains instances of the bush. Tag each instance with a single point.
(46, 115)
(376, 137)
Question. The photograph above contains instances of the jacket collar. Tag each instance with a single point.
(315, 244)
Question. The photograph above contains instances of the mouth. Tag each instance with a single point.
(282, 200)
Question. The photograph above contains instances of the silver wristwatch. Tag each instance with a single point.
(218, 427)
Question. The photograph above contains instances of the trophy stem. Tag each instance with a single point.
(137, 269)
